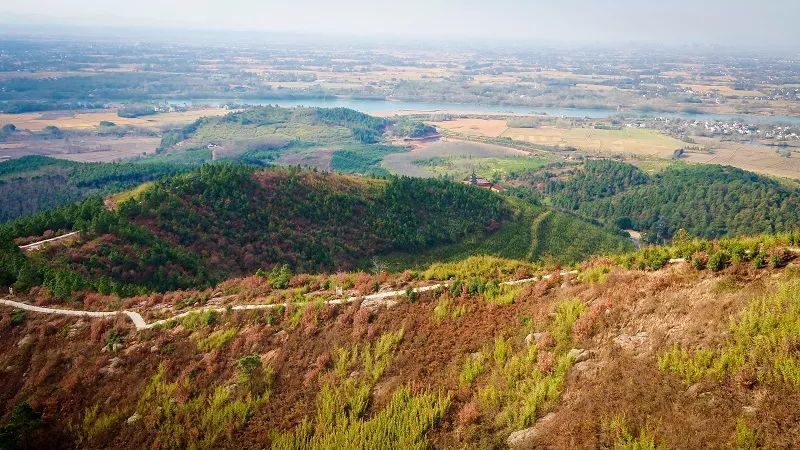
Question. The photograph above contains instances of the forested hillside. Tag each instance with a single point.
(706, 200)
(34, 183)
(224, 220)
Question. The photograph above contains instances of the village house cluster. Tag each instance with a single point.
(712, 128)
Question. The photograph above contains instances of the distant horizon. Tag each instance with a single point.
(167, 35)
(738, 25)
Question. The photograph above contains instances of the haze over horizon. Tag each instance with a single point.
(736, 23)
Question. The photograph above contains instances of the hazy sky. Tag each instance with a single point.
(728, 22)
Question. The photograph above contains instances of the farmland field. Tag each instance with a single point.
(626, 140)
(462, 154)
(90, 119)
(643, 147)
(755, 158)
(475, 127)
(83, 149)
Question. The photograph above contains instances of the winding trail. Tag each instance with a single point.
(140, 324)
(39, 244)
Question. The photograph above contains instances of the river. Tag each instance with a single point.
(389, 106)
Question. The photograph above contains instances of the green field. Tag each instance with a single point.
(490, 168)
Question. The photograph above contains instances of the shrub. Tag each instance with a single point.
(521, 385)
(760, 260)
(472, 369)
(469, 413)
(458, 311)
(95, 425)
(24, 421)
(278, 277)
(475, 285)
(456, 288)
(339, 421)
(746, 438)
(198, 319)
(762, 339)
(776, 259)
(486, 267)
(501, 294)
(442, 309)
(203, 418)
(595, 275)
(717, 261)
(216, 339)
(625, 440)
(114, 339)
(567, 313)
(249, 364)
(18, 317)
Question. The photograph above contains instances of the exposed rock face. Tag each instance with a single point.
(526, 438)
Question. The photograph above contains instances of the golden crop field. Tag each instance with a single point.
(83, 149)
(626, 140)
(475, 127)
(755, 158)
(91, 119)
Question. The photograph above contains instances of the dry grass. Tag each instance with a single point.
(83, 120)
(630, 142)
(84, 149)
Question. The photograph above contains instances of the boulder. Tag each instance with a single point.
(579, 355)
(526, 437)
(533, 338)
(25, 341)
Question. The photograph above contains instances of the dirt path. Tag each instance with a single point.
(37, 245)
(135, 317)
(140, 324)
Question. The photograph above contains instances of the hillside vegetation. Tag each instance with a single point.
(684, 356)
